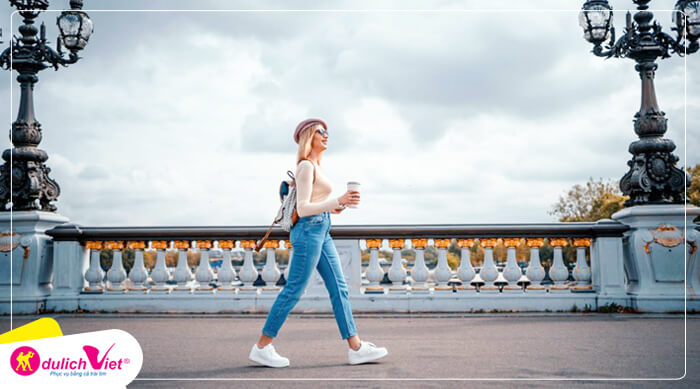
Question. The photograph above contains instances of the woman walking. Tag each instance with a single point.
(314, 249)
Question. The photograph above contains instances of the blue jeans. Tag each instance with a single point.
(313, 248)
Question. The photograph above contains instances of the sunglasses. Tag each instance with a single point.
(322, 132)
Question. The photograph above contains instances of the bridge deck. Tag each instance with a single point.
(425, 346)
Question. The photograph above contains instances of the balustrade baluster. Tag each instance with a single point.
(442, 273)
(216, 255)
(582, 272)
(183, 274)
(419, 271)
(397, 273)
(160, 273)
(138, 274)
(94, 275)
(489, 271)
(248, 273)
(270, 272)
(465, 272)
(226, 273)
(116, 273)
(559, 273)
(374, 273)
(512, 271)
(535, 271)
(204, 274)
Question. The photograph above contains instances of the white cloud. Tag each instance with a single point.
(186, 118)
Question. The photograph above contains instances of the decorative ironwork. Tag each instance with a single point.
(666, 235)
(557, 242)
(582, 242)
(181, 244)
(24, 178)
(9, 240)
(114, 245)
(442, 243)
(511, 242)
(396, 243)
(94, 245)
(248, 244)
(204, 244)
(159, 244)
(534, 242)
(419, 243)
(465, 243)
(488, 242)
(136, 244)
(227, 244)
(653, 177)
(271, 244)
(374, 243)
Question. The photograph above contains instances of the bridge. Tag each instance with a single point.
(645, 261)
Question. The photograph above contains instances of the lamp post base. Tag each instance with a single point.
(26, 260)
(662, 255)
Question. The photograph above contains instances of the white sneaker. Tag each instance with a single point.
(267, 356)
(366, 353)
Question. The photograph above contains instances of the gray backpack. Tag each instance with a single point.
(288, 196)
(287, 214)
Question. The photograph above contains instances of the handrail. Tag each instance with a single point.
(602, 228)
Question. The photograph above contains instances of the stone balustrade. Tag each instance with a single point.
(403, 280)
(412, 286)
(172, 268)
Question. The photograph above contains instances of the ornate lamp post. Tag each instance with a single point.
(28, 55)
(653, 177)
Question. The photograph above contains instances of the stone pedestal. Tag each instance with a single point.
(26, 259)
(71, 261)
(608, 270)
(350, 263)
(661, 243)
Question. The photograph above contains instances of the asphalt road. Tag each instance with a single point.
(602, 350)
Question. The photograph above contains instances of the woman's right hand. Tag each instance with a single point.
(351, 197)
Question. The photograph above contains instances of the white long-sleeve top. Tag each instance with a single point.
(312, 198)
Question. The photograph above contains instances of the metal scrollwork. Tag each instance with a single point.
(24, 178)
(653, 177)
(668, 236)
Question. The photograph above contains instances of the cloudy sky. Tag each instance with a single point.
(485, 114)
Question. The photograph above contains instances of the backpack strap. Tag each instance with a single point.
(261, 242)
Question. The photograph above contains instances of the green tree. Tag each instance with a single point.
(600, 199)
(453, 260)
(694, 188)
(107, 255)
(590, 202)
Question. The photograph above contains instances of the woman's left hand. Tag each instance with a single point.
(338, 210)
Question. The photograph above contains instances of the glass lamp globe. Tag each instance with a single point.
(596, 19)
(690, 11)
(75, 28)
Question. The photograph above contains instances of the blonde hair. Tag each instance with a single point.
(305, 139)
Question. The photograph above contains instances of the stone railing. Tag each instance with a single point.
(230, 288)
(605, 271)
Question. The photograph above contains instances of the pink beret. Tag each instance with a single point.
(305, 124)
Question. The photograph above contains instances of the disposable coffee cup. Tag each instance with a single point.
(353, 185)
